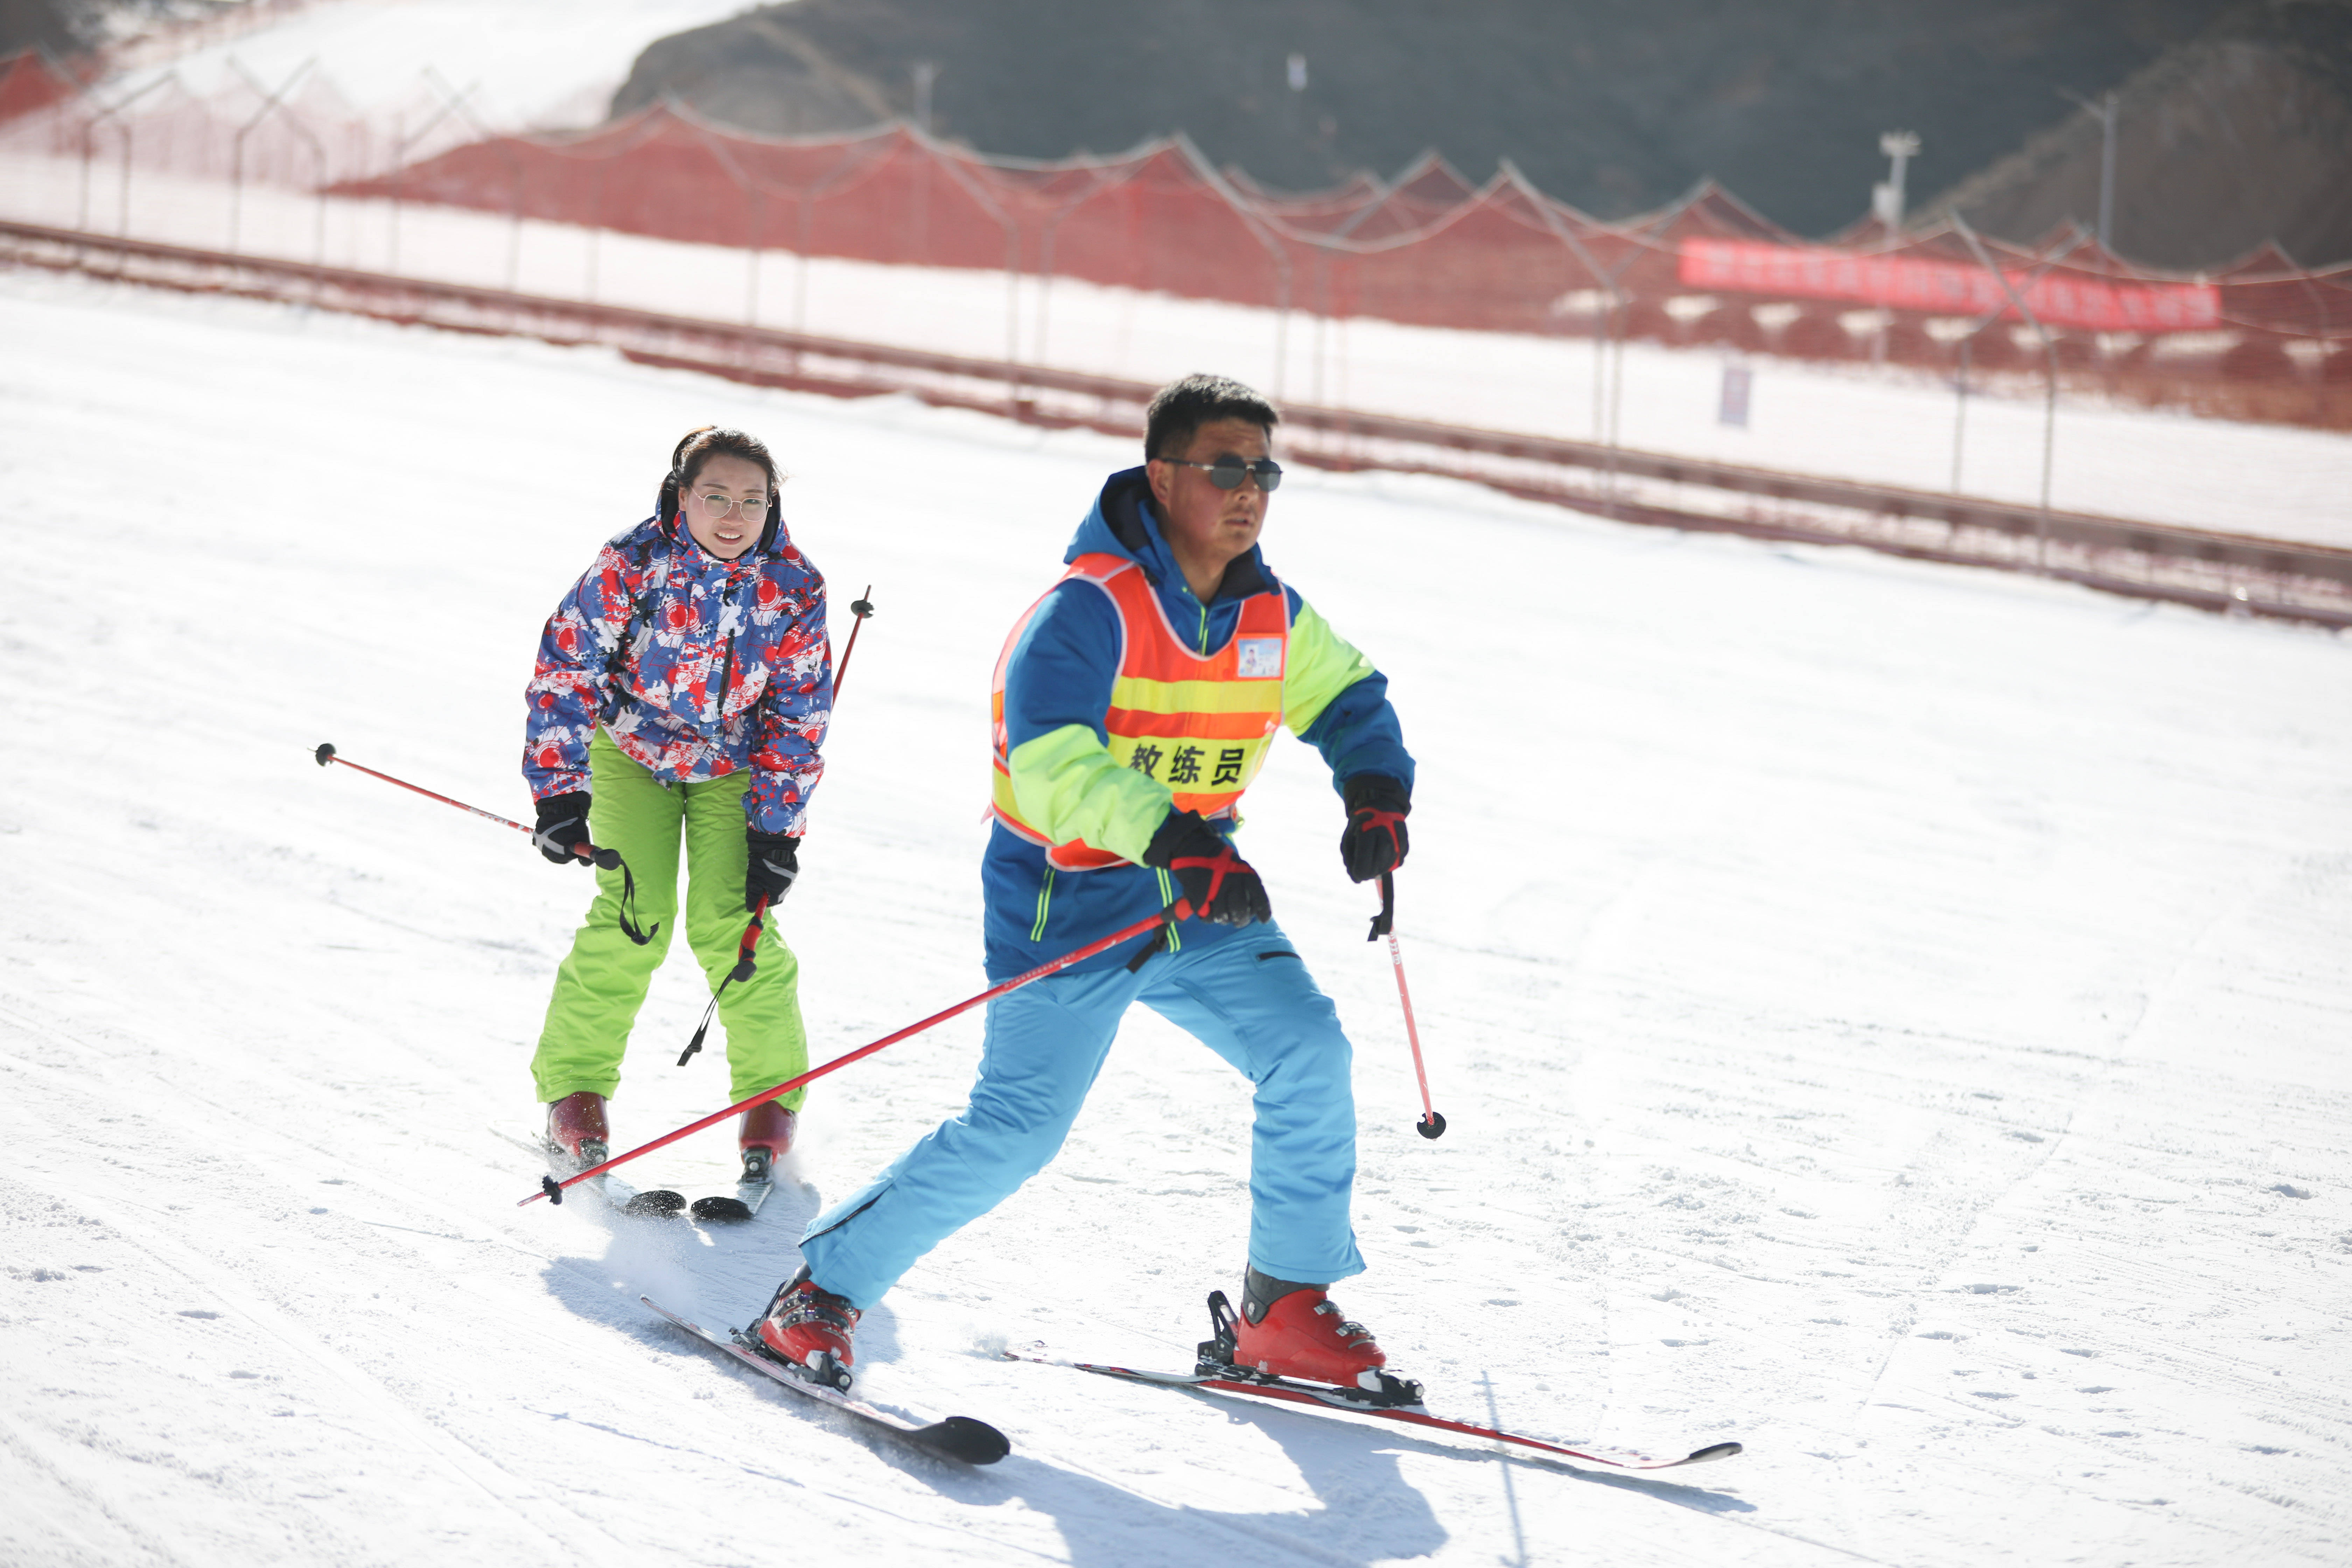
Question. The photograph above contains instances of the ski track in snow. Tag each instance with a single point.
(1887, 1015)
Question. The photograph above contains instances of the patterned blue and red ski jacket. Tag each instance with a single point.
(726, 665)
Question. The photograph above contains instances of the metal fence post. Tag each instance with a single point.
(88, 135)
(2050, 357)
(488, 138)
(1603, 429)
(270, 101)
(403, 142)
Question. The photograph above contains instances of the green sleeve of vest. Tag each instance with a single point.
(1322, 664)
(1065, 785)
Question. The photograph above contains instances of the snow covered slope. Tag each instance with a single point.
(1890, 1015)
(544, 63)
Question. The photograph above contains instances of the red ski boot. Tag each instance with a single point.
(1291, 1330)
(766, 1137)
(575, 1124)
(809, 1330)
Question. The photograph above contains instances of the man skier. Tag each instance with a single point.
(1133, 704)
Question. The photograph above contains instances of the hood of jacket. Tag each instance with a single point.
(1122, 522)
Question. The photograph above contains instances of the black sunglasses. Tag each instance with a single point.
(1227, 473)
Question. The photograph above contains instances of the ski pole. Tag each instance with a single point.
(604, 859)
(609, 859)
(1431, 1125)
(861, 607)
(746, 965)
(552, 1189)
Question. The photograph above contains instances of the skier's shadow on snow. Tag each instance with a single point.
(1369, 1513)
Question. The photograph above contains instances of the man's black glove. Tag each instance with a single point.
(1217, 882)
(1375, 838)
(562, 829)
(775, 862)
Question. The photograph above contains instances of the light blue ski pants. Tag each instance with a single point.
(1248, 998)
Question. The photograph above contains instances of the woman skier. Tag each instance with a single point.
(681, 692)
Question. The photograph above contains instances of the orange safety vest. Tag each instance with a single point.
(1200, 723)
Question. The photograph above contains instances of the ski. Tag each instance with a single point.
(655, 1203)
(957, 1438)
(721, 1208)
(1321, 1397)
(759, 1181)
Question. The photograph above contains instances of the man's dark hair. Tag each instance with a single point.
(1180, 407)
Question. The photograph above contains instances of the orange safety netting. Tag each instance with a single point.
(1426, 248)
(29, 83)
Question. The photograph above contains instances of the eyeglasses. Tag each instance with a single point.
(1226, 473)
(754, 507)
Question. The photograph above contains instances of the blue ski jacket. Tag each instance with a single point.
(1059, 674)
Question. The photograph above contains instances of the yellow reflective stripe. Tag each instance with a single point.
(1235, 696)
(1001, 796)
(1045, 897)
(1168, 897)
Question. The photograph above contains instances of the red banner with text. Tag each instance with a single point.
(2060, 299)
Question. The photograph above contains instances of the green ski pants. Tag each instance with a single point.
(602, 983)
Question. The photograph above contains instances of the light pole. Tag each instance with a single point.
(1886, 196)
(2105, 109)
(925, 73)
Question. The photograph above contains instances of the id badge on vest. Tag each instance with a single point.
(1259, 658)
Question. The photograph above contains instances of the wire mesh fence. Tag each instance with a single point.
(1934, 360)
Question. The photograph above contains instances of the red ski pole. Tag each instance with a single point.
(746, 965)
(607, 859)
(604, 859)
(548, 1187)
(1431, 1125)
(861, 607)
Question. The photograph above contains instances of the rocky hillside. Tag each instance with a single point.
(2240, 137)
(1616, 105)
(56, 27)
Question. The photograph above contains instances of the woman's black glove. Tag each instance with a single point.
(775, 864)
(562, 830)
(1375, 840)
(1217, 882)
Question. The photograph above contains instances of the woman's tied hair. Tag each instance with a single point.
(701, 444)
